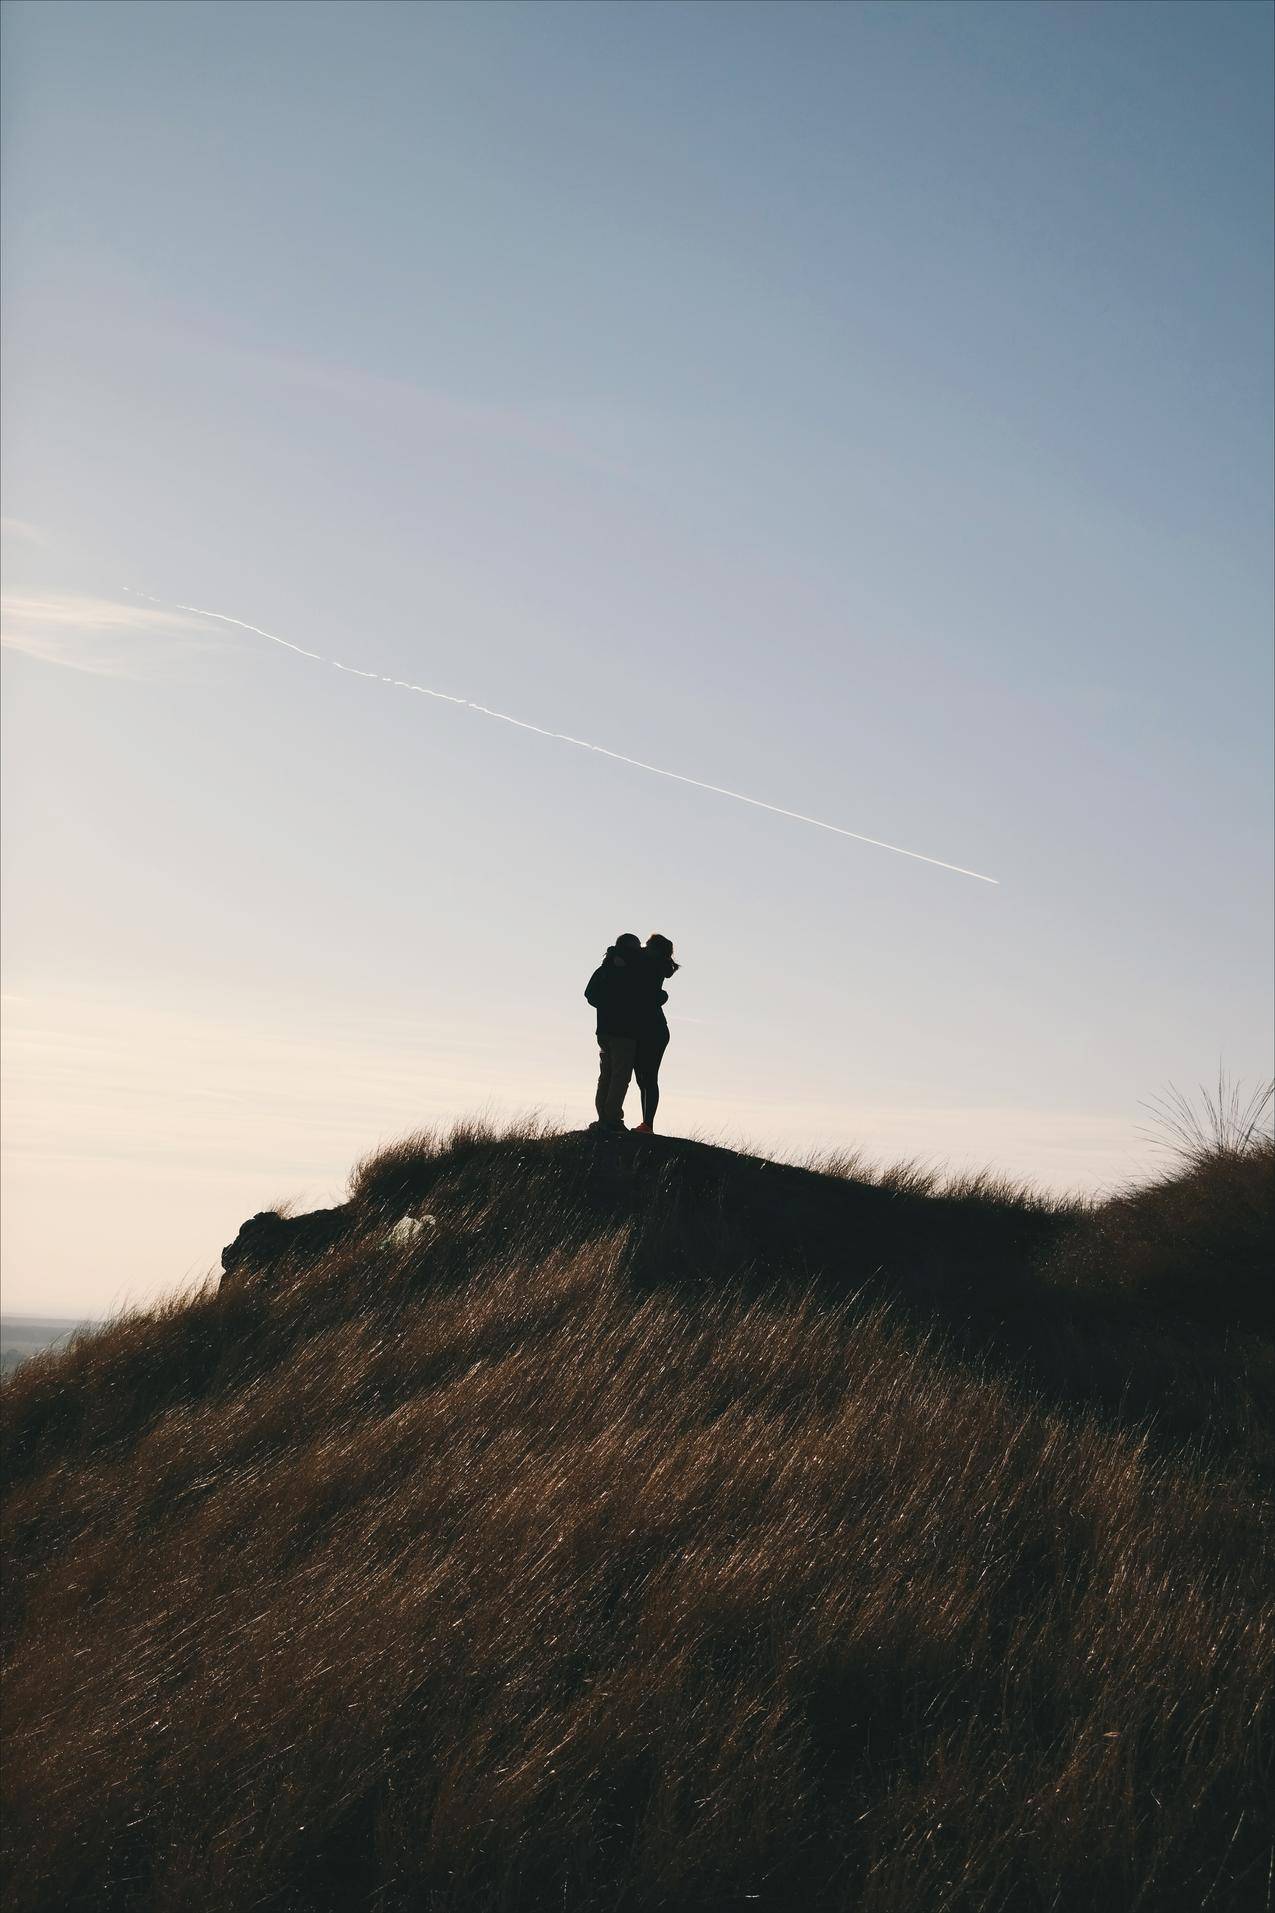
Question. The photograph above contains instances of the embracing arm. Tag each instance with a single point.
(593, 989)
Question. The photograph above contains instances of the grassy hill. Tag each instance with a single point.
(655, 1527)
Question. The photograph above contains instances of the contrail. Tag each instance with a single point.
(582, 744)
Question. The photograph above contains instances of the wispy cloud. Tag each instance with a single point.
(99, 635)
(20, 532)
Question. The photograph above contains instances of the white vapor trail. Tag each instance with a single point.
(563, 737)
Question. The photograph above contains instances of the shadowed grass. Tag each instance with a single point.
(659, 1528)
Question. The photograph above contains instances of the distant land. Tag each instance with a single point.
(23, 1335)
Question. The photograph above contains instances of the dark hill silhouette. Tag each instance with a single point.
(651, 1525)
(1116, 1306)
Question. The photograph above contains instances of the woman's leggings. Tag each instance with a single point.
(646, 1067)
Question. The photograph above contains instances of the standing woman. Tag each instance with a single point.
(653, 1032)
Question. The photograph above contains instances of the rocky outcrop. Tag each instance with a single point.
(266, 1238)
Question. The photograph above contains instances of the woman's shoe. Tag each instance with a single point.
(644, 1129)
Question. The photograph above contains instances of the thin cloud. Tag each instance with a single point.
(580, 743)
(102, 636)
(21, 532)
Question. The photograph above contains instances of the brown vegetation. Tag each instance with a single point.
(660, 1529)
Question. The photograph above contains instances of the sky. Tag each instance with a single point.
(865, 408)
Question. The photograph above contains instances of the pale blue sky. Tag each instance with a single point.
(866, 407)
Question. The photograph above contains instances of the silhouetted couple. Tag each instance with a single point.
(627, 991)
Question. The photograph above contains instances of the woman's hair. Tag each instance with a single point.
(661, 951)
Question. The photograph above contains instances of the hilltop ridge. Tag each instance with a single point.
(655, 1526)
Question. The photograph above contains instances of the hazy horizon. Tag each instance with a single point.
(865, 409)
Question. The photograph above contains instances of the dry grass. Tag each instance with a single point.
(657, 1531)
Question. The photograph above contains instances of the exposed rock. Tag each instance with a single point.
(267, 1237)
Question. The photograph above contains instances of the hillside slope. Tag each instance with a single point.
(657, 1527)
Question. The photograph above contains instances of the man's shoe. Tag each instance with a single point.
(644, 1129)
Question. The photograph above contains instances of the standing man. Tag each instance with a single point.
(618, 991)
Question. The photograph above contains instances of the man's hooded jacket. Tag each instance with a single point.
(626, 994)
